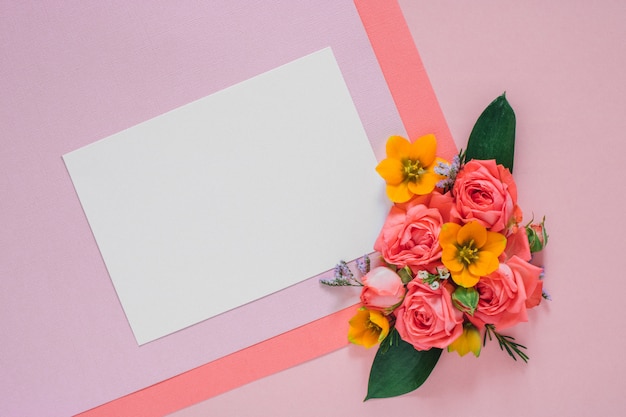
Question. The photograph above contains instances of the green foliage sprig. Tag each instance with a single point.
(507, 343)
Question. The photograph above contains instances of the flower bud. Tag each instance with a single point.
(537, 235)
(368, 328)
(468, 341)
(383, 289)
(465, 299)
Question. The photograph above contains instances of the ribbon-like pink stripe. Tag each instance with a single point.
(420, 113)
(239, 368)
(404, 72)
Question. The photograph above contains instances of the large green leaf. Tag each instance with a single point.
(493, 135)
(399, 368)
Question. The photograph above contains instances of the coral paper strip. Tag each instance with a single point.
(404, 72)
(273, 355)
(419, 110)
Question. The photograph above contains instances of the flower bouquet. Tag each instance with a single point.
(455, 267)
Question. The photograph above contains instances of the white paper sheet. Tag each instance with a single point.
(232, 197)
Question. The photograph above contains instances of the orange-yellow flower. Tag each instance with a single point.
(468, 341)
(368, 327)
(408, 169)
(470, 251)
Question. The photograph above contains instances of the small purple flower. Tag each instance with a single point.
(449, 171)
(363, 264)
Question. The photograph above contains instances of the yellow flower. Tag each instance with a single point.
(470, 251)
(408, 169)
(469, 341)
(368, 327)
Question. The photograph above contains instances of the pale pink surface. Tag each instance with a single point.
(385, 26)
(71, 74)
(561, 65)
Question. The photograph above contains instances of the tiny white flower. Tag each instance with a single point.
(443, 272)
(422, 274)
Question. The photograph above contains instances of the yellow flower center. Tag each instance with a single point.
(470, 251)
(467, 253)
(374, 328)
(412, 170)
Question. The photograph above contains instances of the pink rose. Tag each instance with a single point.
(410, 235)
(535, 298)
(426, 318)
(504, 293)
(517, 245)
(382, 289)
(487, 193)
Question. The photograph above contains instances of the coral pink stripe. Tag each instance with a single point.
(404, 72)
(301, 344)
(420, 113)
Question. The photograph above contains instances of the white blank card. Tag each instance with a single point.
(232, 197)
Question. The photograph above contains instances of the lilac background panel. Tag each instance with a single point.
(562, 66)
(73, 72)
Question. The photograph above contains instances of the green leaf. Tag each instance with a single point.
(400, 368)
(493, 135)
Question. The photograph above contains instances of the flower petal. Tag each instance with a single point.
(359, 326)
(474, 342)
(486, 263)
(450, 259)
(398, 147)
(447, 235)
(360, 319)
(468, 341)
(495, 243)
(370, 338)
(459, 345)
(399, 193)
(472, 231)
(425, 184)
(453, 264)
(368, 327)
(365, 338)
(465, 278)
(424, 149)
(381, 321)
(391, 171)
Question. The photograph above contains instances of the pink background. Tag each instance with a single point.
(562, 66)
(71, 75)
(75, 72)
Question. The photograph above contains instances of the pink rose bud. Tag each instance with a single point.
(382, 289)
(537, 235)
